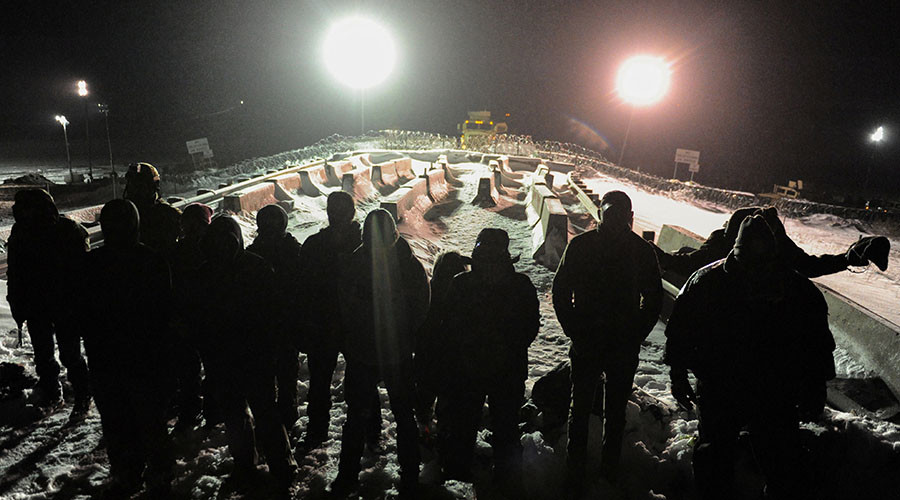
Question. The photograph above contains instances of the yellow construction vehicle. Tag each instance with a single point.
(479, 129)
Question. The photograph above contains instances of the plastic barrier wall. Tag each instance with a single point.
(550, 222)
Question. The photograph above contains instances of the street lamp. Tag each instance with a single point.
(876, 137)
(642, 80)
(105, 110)
(62, 121)
(359, 53)
(83, 92)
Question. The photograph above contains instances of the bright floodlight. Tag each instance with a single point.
(878, 135)
(359, 52)
(643, 80)
(62, 120)
(82, 88)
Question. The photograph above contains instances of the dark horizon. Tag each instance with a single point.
(767, 93)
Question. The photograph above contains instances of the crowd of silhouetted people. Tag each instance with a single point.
(181, 322)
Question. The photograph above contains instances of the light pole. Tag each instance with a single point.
(360, 54)
(105, 110)
(876, 137)
(642, 80)
(83, 92)
(62, 121)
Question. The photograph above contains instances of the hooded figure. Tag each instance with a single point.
(755, 334)
(385, 292)
(238, 346)
(127, 301)
(493, 316)
(607, 295)
(45, 253)
(721, 241)
(281, 251)
(323, 257)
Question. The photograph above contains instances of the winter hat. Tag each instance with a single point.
(34, 206)
(492, 245)
(198, 212)
(340, 207)
(141, 180)
(755, 242)
(271, 219)
(734, 223)
(120, 223)
(223, 239)
(379, 229)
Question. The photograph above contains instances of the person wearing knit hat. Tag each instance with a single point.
(755, 334)
(281, 251)
(492, 317)
(607, 295)
(384, 300)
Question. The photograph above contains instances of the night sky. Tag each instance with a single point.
(767, 91)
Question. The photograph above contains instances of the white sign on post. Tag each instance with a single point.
(207, 153)
(197, 146)
(687, 156)
(694, 167)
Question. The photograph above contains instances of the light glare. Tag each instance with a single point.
(359, 52)
(62, 120)
(82, 88)
(878, 135)
(643, 80)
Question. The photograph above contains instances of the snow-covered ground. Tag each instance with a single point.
(855, 457)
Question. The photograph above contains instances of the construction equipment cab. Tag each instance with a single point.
(479, 129)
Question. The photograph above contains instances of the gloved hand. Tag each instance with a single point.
(682, 390)
(869, 248)
(812, 404)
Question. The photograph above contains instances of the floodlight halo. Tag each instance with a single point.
(359, 52)
(643, 80)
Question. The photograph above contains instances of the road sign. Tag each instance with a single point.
(207, 153)
(197, 146)
(687, 156)
(695, 167)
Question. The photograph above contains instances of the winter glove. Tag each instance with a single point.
(867, 249)
(812, 404)
(682, 390)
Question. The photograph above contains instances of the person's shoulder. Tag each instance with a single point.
(523, 280)
(709, 275)
(290, 244)
(163, 207)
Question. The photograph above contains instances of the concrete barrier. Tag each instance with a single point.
(487, 194)
(550, 235)
(358, 182)
(498, 180)
(312, 181)
(404, 168)
(584, 195)
(334, 172)
(534, 202)
(88, 215)
(250, 199)
(449, 175)
(410, 196)
(674, 238)
(289, 182)
(438, 189)
(508, 173)
(385, 174)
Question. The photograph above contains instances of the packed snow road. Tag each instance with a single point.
(855, 457)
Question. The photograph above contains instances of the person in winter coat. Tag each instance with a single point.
(160, 222)
(127, 301)
(323, 257)
(385, 292)
(607, 294)
(431, 364)
(721, 241)
(45, 255)
(493, 316)
(186, 261)
(281, 251)
(238, 343)
(755, 334)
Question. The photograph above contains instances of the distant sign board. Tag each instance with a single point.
(197, 146)
(694, 168)
(687, 156)
(207, 153)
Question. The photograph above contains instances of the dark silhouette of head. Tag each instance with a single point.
(195, 219)
(734, 222)
(222, 241)
(271, 221)
(120, 223)
(491, 253)
(755, 244)
(34, 208)
(379, 230)
(615, 211)
(340, 208)
(446, 266)
(141, 184)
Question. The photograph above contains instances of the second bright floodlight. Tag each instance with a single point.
(643, 80)
(359, 52)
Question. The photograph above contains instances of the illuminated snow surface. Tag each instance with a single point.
(856, 457)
